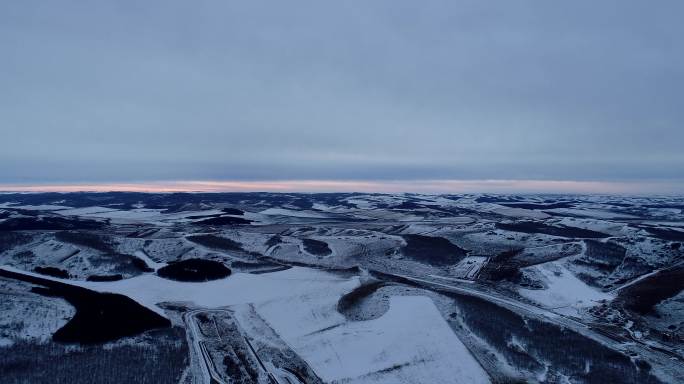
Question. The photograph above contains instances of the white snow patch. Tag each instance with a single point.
(239, 288)
(566, 293)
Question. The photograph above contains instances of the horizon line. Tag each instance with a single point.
(431, 186)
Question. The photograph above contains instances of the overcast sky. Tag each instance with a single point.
(367, 90)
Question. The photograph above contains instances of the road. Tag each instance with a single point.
(642, 277)
(206, 366)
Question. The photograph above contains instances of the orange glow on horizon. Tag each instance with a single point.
(397, 186)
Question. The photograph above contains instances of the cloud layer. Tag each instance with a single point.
(388, 90)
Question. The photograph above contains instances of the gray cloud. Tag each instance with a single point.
(353, 90)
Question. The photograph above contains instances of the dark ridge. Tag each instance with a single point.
(9, 240)
(140, 264)
(104, 277)
(274, 269)
(623, 205)
(410, 205)
(302, 203)
(259, 267)
(76, 199)
(335, 199)
(194, 270)
(496, 199)
(142, 233)
(453, 197)
(665, 233)
(100, 317)
(85, 239)
(176, 202)
(48, 224)
(223, 220)
(605, 256)
(52, 271)
(393, 278)
(503, 266)
(436, 251)
(293, 263)
(316, 247)
(159, 357)
(547, 346)
(560, 231)
(233, 211)
(126, 199)
(665, 206)
(216, 242)
(506, 256)
(538, 206)
(255, 265)
(642, 296)
(345, 272)
(70, 255)
(528, 259)
(274, 240)
(335, 270)
(197, 217)
(102, 244)
(351, 299)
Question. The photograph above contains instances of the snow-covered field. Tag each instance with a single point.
(410, 343)
(565, 293)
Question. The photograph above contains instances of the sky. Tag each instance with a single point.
(382, 93)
